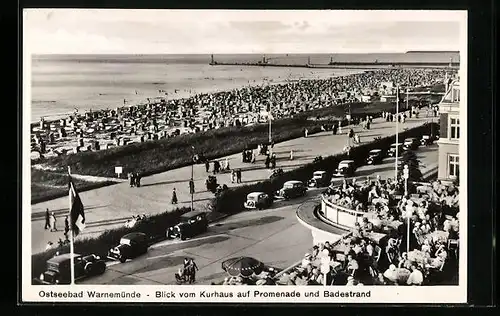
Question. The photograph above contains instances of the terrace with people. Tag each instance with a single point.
(380, 248)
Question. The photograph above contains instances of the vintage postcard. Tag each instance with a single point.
(244, 156)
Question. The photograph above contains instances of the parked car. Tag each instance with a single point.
(392, 150)
(427, 140)
(211, 184)
(411, 143)
(258, 200)
(292, 189)
(58, 268)
(346, 168)
(319, 179)
(375, 157)
(191, 224)
(131, 246)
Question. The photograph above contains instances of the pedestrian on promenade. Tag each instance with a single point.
(306, 132)
(137, 180)
(273, 161)
(267, 162)
(53, 227)
(66, 226)
(233, 176)
(191, 186)
(291, 154)
(47, 219)
(356, 138)
(207, 165)
(238, 176)
(340, 128)
(174, 197)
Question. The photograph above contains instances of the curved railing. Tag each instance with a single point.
(339, 215)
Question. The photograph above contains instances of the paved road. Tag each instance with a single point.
(111, 206)
(273, 236)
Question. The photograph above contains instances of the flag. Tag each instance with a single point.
(77, 215)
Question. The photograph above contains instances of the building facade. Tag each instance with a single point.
(449, 138)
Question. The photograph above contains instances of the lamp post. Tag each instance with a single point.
(397, 135)
(406, 175)
(191, 184)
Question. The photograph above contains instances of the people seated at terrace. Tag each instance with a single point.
(416, 277)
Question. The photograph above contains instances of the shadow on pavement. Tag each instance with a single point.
(59, 212)
(374, 171)
(223, 227)
(164, 182)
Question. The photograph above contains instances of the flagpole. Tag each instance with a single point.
(71, 245)
(397, 135)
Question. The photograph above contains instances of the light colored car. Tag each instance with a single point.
(318, 180)
(346, 168)
(392, 150)
(258, 200)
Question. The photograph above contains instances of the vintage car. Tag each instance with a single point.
(211, 184)
(191, 224)
(391, 152)
(58, 268)
(131, 245)
(411, 143)
(374, 157)
(258, 200)
(346, 168)
(320, 179)
(427, 140)
(291, 189)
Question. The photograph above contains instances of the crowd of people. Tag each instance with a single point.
(235, 107)
(378, 250)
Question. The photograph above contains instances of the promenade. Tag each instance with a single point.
(110, 207)
(273, 236)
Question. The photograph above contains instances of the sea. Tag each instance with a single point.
(62, 83)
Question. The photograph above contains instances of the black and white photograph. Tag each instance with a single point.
(244, 156)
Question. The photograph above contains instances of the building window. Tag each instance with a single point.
(453, 166)
(454, 128)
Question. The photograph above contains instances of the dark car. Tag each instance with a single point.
(391, 152)
(292, 189)
(427, 140)
(131, 246)
(346, 168)
(191, 224)
(411, 144)
(58, 268)
(374, 157)
(258, 200)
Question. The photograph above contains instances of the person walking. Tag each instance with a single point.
(66, 226)
(53, 220)
(207, 165)
(192, 268)
(130, 179)
(238, 176)
(138, 179)
(174, 197)
(233, 176)
(291, 154)
(191, 186)
(273, 161)
(47, 219)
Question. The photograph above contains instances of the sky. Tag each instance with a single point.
(106, 31)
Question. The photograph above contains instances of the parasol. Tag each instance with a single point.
(242, 266)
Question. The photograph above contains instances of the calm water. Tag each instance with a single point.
(61, 83)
